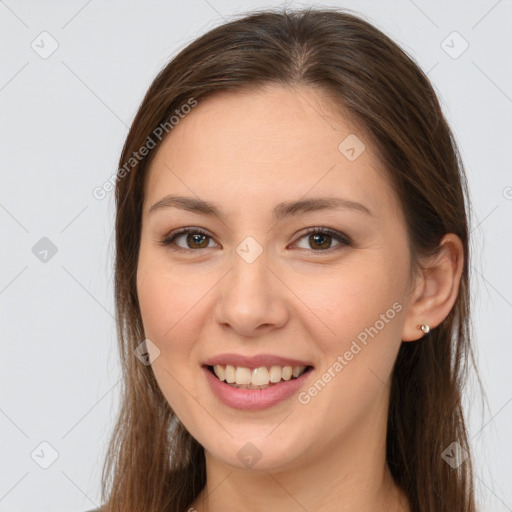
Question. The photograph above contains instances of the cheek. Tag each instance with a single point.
(356, 324)
(357, 360)
(154, 300)
(346, 301)
(167, 298)
(167, 310)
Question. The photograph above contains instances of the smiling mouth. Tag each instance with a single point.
(262, 377)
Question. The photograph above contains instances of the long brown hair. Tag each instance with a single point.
(153, 463)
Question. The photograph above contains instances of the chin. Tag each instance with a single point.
(256, 452)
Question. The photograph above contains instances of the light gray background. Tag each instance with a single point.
(63, 122)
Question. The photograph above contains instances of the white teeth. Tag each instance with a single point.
(219, 371)
(243, 375)
(262, 376)
(275, 373)
(230, 374)
(287, 373)
(296, 371)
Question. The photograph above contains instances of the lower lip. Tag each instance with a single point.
(254, 399)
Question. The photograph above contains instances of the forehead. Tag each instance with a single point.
(261, 126)
(276, 143)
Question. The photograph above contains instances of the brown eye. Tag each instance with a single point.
(195, 238)
(320, 239)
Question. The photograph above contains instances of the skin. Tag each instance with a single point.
(246, 152)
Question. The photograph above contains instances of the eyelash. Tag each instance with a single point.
(337, 235)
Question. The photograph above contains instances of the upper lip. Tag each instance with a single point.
(253, 361)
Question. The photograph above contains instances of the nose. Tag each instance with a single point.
(252, 298)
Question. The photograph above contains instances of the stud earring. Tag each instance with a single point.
(425, 328)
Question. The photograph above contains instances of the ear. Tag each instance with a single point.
(436, 289)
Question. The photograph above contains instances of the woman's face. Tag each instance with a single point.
(256, 282)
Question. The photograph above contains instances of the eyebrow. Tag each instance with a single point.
(281, 210)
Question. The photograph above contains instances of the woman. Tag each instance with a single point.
(292, 282)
